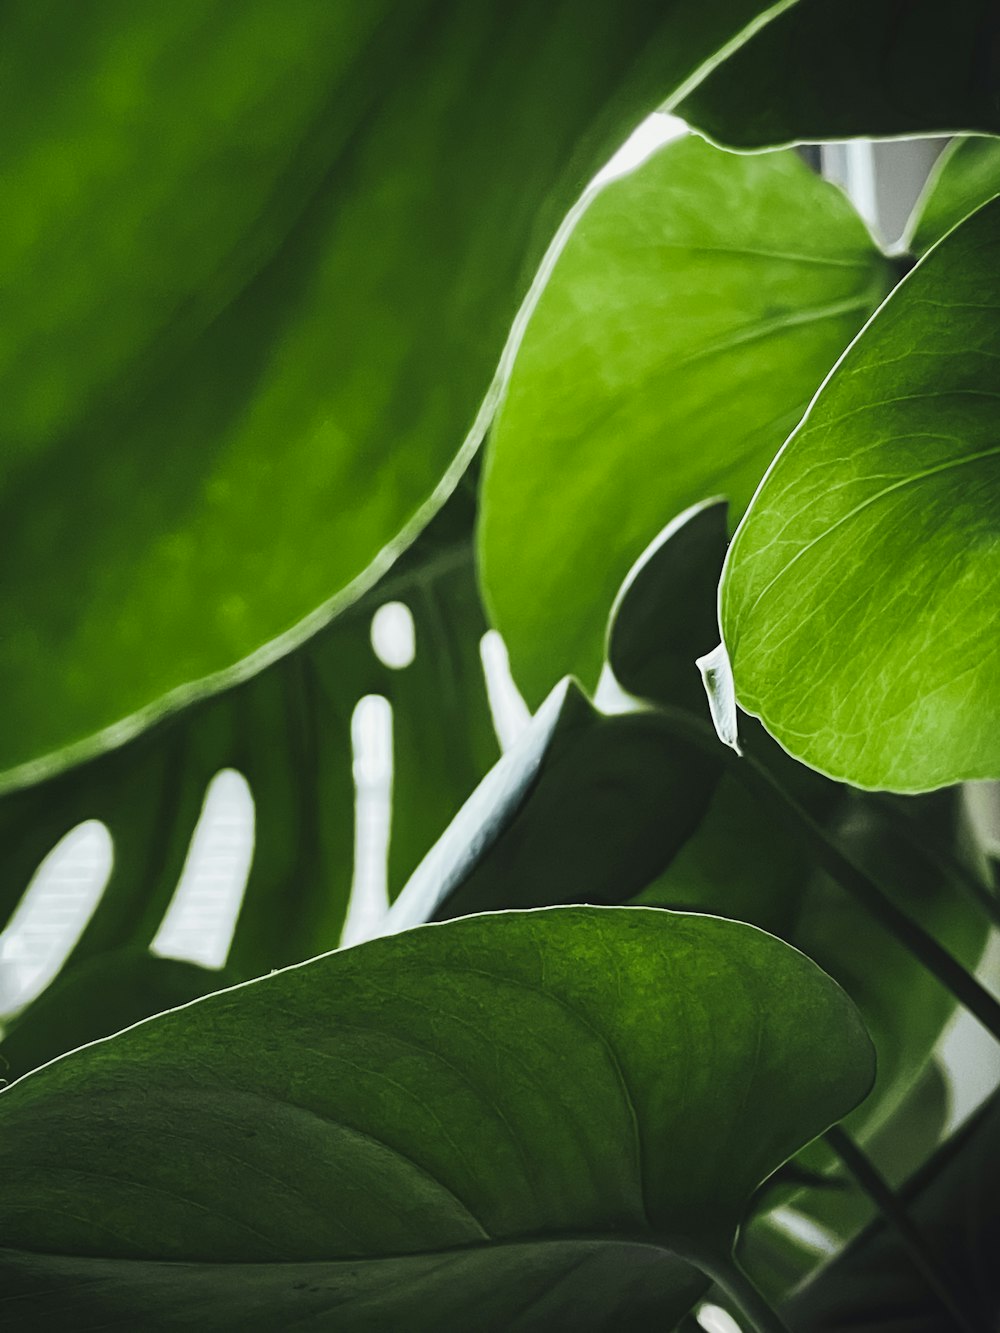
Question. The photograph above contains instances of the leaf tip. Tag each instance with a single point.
(717, 677)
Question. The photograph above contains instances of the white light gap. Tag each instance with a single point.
(371, 741)
(198, 925)
(507, 708)
(394, 637)
(53, 913)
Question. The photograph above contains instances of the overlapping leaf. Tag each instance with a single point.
(858, 601)
(446, 1094)
(693, 313)
(966, 176)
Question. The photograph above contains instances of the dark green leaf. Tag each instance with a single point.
(693, 313)
(664, 617)
(858, 67)
(584, 808)
(259, 267)
(966, 175)
(859, 595)
(442, 1094)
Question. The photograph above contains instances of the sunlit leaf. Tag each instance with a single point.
(446, 1095)
(858, 603)
(858, 67)
(692, 315)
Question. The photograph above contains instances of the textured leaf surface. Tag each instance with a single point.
(857, 68)
(858, 602)
(262, 266)
(966, 175)
(700, 270)
(459, 1087)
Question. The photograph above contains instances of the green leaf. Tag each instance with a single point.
(965, 176)
(241, 244)
(858, 599)
(857, 68)
(585, 807)
(699, 270)
(445, 1095)
(288, 731)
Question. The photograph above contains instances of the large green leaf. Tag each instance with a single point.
(288, 731)
(965, 176)
(259, 267)
(857, 67)
(690, 318)
(859, 595)
(599, 1089)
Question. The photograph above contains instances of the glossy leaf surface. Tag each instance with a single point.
(262, 268)
(966, 175)
(858, 600)
(700, 269)
(441, 1094)
(870, 68)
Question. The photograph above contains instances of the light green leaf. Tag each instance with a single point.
(857, 68)
(965, 176)
(445, 1095)
(858, 602)
(259, 268)
(693, 313)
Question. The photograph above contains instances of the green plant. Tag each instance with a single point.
(636, 993)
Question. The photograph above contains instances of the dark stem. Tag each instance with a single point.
(885, 1199)
(855, 881)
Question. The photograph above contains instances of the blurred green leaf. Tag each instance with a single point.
(857, 68)
(965, 176)
(953, 1201)
(858, 599)
(262, 263)
(693, 313)
(372, 1132)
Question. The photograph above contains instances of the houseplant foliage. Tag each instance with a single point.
(274, 276)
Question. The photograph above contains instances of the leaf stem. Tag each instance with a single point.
(850, 876)
(885, 1199)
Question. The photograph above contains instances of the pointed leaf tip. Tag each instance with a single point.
(717, 677)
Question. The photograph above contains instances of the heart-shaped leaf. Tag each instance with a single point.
(586, 1096)
(857, 68)
(699, 269)
(240, 246)
(859, 594)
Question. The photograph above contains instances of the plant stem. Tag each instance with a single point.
(888, 1204)
(857, 882)
(731, 1279)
